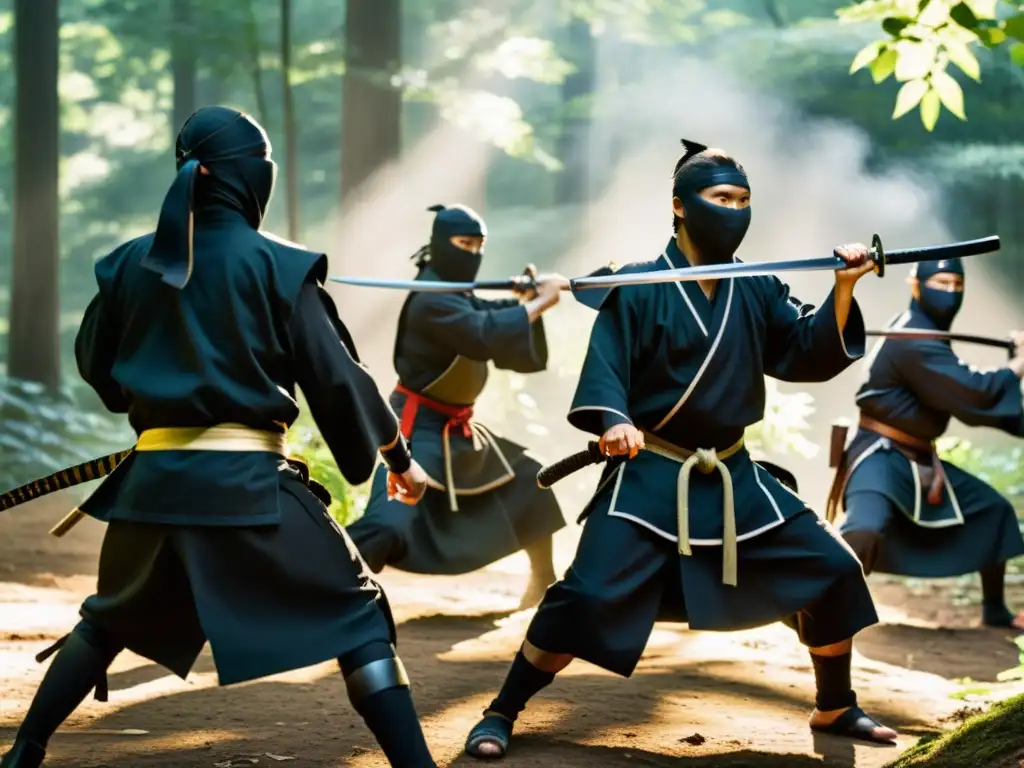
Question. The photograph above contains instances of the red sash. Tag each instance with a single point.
(458, 415)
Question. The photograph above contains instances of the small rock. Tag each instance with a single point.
(695, 740)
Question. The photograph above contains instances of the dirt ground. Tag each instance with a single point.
(697, 699)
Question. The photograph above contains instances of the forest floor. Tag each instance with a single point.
(697, 699)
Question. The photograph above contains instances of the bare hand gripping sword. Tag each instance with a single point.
(603, 278)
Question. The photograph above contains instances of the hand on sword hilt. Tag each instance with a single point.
(561, 469)
(525, 285)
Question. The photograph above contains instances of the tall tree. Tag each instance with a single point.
(33, 350)
(291, 149)
(577, 92)
(183, 63)
(371, 120)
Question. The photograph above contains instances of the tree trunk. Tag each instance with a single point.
(573, 184)
(371, 119)
(33, 351)
(291, 150)
(255, 67)
(183, 64)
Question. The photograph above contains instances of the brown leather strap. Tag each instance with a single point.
(901, 438)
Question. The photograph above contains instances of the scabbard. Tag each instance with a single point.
(93, 469)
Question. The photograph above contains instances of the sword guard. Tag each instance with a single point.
(526, 283)
(877, 255)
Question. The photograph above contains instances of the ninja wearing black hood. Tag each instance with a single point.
(201, 333)
(483, 503)
(907, 512)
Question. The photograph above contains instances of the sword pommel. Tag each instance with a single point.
(69, 521)
(877, 255)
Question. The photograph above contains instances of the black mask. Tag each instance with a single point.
(448, 260)
(235, 151)
(940, 306)
(716, 231)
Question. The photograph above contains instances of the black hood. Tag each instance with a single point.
(235, 151)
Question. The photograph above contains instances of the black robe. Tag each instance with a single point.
(483, 503)
(917, 386)
(690, 373)
(233, 547)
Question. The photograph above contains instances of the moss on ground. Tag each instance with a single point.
(987, 740)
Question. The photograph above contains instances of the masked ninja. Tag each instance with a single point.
(201, 333)
(907, 512)
(684, 526)
(483, 502)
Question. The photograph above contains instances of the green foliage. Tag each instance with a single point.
(925, 37)
(1002, 469)
(307, 445)
(986, 739)
(785, 420)
(41, 433)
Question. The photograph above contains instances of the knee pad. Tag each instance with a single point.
(100, 639)
(370, 669)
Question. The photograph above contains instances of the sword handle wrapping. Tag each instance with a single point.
(561, 469)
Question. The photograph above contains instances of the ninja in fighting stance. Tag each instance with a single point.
(483, 502)
(907, 512)
(201, 332)
(684, 526)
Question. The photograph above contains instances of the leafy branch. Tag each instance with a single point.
(925, 36)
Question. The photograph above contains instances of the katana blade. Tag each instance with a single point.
(828, 263)
(522, 283)
(914, 333)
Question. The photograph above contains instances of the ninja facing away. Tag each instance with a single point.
(201, 333)
(673, 376)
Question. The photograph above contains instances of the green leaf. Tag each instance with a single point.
(1017, 54)
(933, 15)
(909, 97)
(883, 66)
(1014, 27)
(962, 14)
(866, 55)
(930, 106)
(983, 9)
(950, 93)
(914, 60)
(965, 59)
(991, 36)
(896, 24)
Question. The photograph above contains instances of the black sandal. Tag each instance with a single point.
(494, 729)
(854, 723)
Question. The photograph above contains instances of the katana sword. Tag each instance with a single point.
(913, 333)
(93, 469)
(877, 255)
(607, 277)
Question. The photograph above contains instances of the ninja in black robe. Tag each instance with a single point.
(201, 333)
(483, 502)
(905, 511)
(691, 529)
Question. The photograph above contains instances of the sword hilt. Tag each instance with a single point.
(877, 255)
(561, 469)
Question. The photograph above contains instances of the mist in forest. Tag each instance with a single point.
(810, 192)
